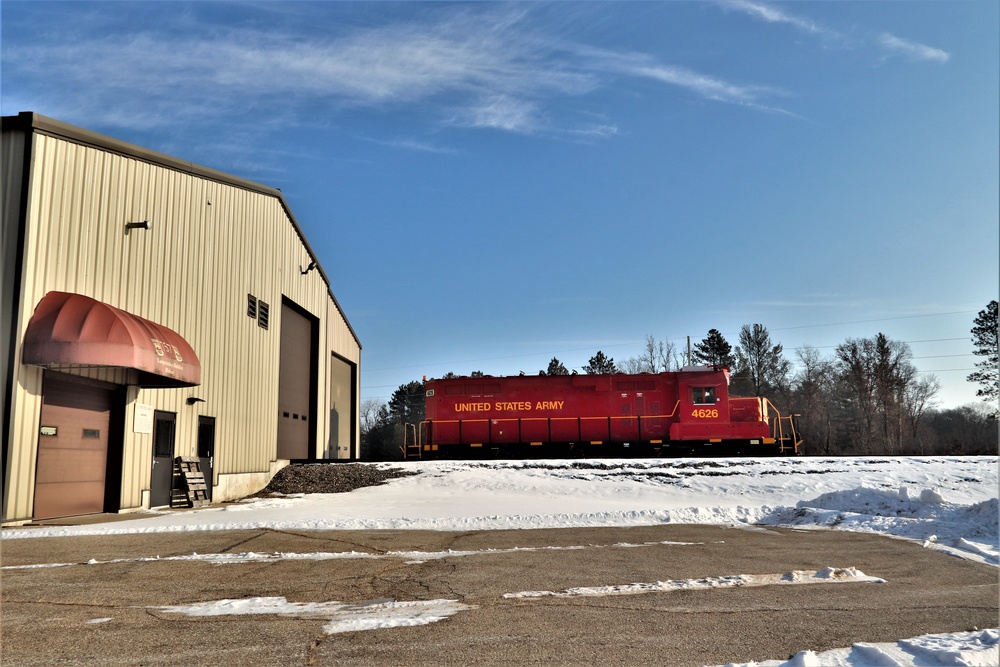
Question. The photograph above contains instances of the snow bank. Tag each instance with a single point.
(946, 503)
(960, 649)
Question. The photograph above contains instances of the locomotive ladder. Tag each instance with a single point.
(412, 448)
(785, 434)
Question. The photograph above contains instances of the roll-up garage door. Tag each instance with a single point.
(342, 408)
(72, 447)
(295, 384)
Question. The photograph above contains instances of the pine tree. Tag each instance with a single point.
(760, 364)
(556, 367)
(407, 403)
(600, 364)
(984, 339)
(714, 351)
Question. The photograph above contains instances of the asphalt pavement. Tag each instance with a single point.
(110, 613)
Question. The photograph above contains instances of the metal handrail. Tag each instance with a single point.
(778, 430)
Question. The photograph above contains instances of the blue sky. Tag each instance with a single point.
(489, 185)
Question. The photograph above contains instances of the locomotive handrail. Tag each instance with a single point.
(778, 430)
(519, 420)
(411, 444)
(673, 413)
(528, 419)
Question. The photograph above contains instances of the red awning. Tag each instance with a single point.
(72, 330)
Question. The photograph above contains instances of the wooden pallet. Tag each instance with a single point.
(195, 488)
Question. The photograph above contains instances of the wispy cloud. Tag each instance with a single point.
(596, 131)
(888, 42)
(413, 145)
(772, 14)
(912, 50)
(476, 68)
(502, 112)
(467, 62)
(702, 85)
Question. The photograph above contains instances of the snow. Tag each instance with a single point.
(961, 649)
(826, 575)
(944, 503)
(342, 617)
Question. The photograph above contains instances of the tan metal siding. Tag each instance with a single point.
(209, 246)
(339, 341)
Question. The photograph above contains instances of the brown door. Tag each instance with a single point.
(72, 447)
(296, 385)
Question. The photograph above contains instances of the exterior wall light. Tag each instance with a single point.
(145, 224)
(191, 400)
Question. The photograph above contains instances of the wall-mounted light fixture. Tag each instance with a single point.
(191, 400)
(312, 265)
(145, 224)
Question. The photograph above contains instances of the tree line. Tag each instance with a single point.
(866, 398)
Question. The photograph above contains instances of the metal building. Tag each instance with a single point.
(152, 308)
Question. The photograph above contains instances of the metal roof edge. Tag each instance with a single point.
(30, 120)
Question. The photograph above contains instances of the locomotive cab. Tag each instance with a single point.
(709, 415)
(703, 395)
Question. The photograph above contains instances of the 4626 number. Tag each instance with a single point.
(705, 413)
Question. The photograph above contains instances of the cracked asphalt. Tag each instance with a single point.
(102, 614)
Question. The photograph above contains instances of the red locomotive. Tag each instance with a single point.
(652, 414)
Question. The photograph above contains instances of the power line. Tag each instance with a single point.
(947, 370)
(881, 319)
(676, 338)
(908, 342)
(945, 356)
(532, 354)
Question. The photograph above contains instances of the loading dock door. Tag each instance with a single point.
(72, 447)
(342, 408)
(296, 382)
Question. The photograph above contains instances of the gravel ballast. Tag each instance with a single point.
(329, 478)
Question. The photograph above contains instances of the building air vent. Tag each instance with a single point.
(263, 314)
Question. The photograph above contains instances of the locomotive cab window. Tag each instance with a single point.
(703, 395)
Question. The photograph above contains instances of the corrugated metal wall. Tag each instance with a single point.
(210, 245)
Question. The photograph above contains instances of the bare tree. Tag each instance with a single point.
(377, 431)
(874, 378)
(918, 398)
(812, 398)
(370, 408)
(657, 356)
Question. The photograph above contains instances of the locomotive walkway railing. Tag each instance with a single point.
(412, 447)
(784, 432)
(415, 443)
